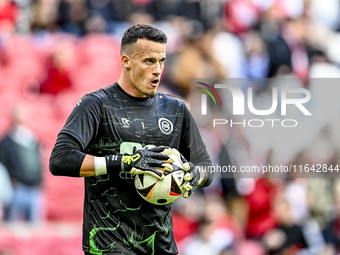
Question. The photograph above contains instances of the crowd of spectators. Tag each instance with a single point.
(208, 38)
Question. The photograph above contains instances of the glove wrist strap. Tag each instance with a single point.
(108, 164)
(114, 163)
(100, 165)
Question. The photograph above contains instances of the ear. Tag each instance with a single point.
(126, 63)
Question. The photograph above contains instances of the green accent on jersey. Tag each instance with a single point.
(101, 180)
(110, 195)
(151, 242)
(117, 217)
(134, 239)
(107, 216)
(93, 248)
(151, 239)
(126, 208)
(106, 145)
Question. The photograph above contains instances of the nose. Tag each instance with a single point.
(158, 69)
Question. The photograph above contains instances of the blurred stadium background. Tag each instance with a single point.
(52, 52)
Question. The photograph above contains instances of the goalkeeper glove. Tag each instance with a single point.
(192, 177)
(193, 180)
(143, 161)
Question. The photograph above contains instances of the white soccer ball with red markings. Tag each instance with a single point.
(161, 192)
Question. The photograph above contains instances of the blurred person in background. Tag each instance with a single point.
(249, 247)
(240, 15)
(25, 16)
(115, 13)
(123, 10)
(6, 190)
(96, 24)
(279, 53)
(20, 153)
(256, 55)
(194, 59)
(45, 13)
(57, 77)
(287, 237)
(72, 15)
(9, 12)
(166, 10)
(260, 200)
(217, 230)
(4, 59)
(203, 241)
(331, 231)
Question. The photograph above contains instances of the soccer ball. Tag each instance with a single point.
(161, 192)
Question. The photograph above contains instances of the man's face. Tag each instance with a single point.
(146, 66)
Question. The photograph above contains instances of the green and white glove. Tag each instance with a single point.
(192, 177)
(173, 155)
(143, 161)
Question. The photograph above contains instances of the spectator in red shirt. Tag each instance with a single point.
(260, 202)
(9, 12)
(58, 77)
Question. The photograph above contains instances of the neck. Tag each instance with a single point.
(128, 87)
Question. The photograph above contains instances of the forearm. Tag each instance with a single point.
(93, 166)
(67, 159)
(87, 167)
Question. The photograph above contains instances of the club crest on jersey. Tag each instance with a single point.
(126, 123)
(165, 126)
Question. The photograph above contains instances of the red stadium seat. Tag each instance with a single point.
(51, 239)
(23, 56)
(10, 82)
(61, 191)
(98, 66)
(66, 101)
(99, 61)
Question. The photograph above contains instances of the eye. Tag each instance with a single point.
(150, 61)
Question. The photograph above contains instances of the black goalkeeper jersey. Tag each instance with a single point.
(109, 121)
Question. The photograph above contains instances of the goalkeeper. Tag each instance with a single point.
(105, 140)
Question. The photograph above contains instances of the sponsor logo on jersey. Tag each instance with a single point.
(126, 123)
(165, 126)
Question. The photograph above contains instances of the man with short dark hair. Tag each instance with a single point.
(122, 130)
